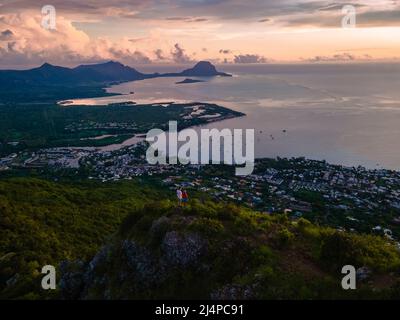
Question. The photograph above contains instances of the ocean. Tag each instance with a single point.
(346, 114)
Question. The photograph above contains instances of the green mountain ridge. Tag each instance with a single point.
(130, 240)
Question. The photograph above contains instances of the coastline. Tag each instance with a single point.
(223, 115)
(139, 137)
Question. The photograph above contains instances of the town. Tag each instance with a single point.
(355, 199)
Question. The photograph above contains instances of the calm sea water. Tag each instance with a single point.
(346, 114)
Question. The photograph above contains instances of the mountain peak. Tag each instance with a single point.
(46, 66)
(110, 63)
(204, 64)
(204, 69)
(113, 63)
(110, 71)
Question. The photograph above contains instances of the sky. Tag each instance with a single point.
(138, 32)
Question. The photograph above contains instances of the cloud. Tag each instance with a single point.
(176, 18)
(338, 6)
(290, 12)
(379, 18)
(225, 51)
(199, 20)
(137, 40)
(6, 35)
(336, 57)
(80, 9)
(179, 55)
(159, 54)
(331, 16)
(128, 56)
(24, 42)
(249, 58)
(66, 45)
(140, 31)
(36, 44)
(186, 19)
(241, 10)
(194, 11)
(121, 13)
(340, 57)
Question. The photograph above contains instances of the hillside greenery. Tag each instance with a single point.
(205, 250)
(43, 222)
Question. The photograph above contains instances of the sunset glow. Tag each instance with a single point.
(182, 31)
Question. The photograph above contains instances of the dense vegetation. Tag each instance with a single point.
(44, 223)
(141, 246)
(47, 94)
(49, 125)
(225, 252)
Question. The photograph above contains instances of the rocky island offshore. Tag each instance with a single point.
(188, 81)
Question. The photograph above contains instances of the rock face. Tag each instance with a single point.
(182, 250)
(126, 269)
(72, 282)
(142, 263)
(234, 292)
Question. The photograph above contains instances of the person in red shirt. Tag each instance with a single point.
(185, 197)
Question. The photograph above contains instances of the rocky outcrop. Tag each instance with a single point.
(183, 250)
(127, 269)
(234, 292)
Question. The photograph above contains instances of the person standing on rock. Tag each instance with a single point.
(179, 196)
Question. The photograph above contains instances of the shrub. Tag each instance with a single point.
(227, 213)
(263, 254)
(303, 223)
(207, 226)
(284, 237)
(339, 249)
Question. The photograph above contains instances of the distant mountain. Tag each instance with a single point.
(37, 76)
(110, 71)
(49, 75)
(201, 69)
